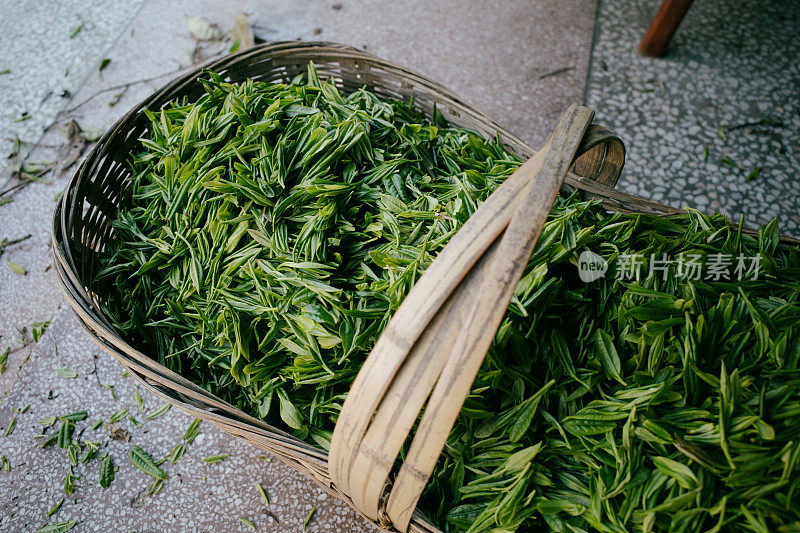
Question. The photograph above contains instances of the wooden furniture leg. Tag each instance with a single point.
(663, 27)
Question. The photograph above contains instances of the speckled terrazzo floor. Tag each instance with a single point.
(723, 102)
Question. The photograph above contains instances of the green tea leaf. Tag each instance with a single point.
(158, 411)
(289, 413)
(75, 31)
(65, 434)
(309, 517)
(74, 417)
(177, 453)
(678, 471)
(139, 401)
(4, 360)
(55, 508)
(192, 431)
(155, 487)
(16, 268)
(608, 355)
(117, 416)
(272, 230)
(142, 460)
(107, 471)
(60, 527)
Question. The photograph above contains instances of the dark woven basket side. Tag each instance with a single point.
(82, 222)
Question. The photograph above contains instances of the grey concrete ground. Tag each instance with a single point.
(723, 103)
(733, 62)
(48, 49)
(41, 66)
(522, 62)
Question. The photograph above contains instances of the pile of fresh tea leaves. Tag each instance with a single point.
(273, 229)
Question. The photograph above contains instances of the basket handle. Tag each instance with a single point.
(442, 330)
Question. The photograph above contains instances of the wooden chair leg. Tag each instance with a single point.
(663, 27)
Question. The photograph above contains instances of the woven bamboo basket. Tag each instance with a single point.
(82, 221)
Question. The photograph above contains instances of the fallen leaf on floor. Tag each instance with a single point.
(117, 433)
(66, 373)
(241, 34)
(203, 30)
(16, 268)
(753, 174)
(75, 31)
(76, 143)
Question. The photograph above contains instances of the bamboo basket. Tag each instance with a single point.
(82, 221)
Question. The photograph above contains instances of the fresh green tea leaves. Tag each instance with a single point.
(118, 415)
(38, 329)
(289, 413)
(75, 31)
(272, 230)
(155, 487)
(177, 453)
(69, 482)
(263, 492)
(139, 401)
(65, 434)
(682, 474)
(608, 355)
(55, 508)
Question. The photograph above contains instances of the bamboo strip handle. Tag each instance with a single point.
(410, 387)
(427, 334)
(421, 304)
(487, 311)
(407, 393)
